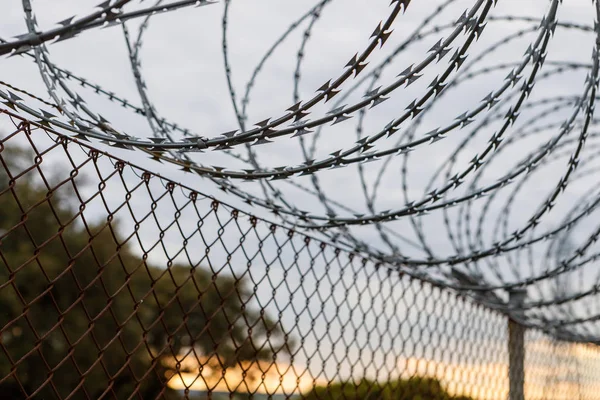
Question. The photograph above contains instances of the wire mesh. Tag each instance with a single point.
(117, 283)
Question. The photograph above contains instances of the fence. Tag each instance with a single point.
(117, 283)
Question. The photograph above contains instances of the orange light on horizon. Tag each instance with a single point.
(481, 380)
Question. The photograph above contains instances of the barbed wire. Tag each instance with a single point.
(475, 202)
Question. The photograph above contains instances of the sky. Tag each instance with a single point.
(183, 67)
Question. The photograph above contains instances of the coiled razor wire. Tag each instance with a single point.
(522, 134)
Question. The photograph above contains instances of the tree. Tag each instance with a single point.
(81, 313)
(415, 388)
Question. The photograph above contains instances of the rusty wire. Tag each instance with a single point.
(478, 196)
(169, 292)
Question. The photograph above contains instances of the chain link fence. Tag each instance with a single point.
(116, 283)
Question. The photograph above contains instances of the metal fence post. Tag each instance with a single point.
(516, 349)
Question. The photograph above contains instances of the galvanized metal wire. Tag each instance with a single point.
(117, 283)
(460, 209)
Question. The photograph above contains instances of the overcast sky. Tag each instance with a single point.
(182, 63)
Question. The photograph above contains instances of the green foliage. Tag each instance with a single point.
(416, 388)
(77, 301)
